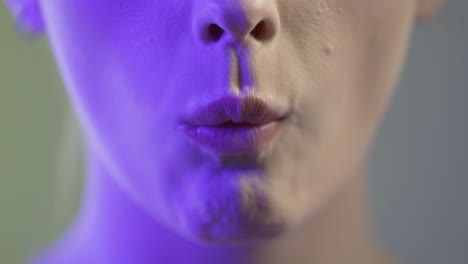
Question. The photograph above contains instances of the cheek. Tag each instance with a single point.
(352, 52)
(370, 45)
(349, 52)
(344, 60)
(115, 57)
(363, 68)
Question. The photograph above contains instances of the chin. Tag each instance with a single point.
(232, 216)
(236, 234)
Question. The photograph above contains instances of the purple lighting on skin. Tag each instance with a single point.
(149, 188)
(213, 126)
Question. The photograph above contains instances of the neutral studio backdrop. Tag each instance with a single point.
(419, 164)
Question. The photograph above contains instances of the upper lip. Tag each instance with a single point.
(235, 110)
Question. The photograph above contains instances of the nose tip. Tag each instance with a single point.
(235, 22)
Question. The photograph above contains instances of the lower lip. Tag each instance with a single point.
(233, 139)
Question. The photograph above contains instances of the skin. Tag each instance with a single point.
(132, 70)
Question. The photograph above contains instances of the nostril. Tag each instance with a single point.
(213, 33)
(230, 23)
(262, 31)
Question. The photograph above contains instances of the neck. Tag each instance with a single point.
(113, 229)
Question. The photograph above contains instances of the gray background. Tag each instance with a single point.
(418, 168)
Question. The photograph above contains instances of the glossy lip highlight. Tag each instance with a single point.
(234, 125)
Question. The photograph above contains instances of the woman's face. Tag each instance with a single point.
(230, 120)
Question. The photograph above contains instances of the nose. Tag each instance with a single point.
(235, 21)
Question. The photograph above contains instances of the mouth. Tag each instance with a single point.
(234, 125)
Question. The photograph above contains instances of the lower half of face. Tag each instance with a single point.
(328, 71)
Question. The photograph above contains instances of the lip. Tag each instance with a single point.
(234, 125)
